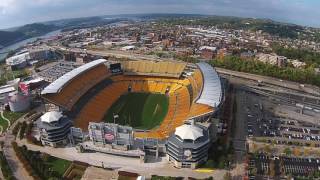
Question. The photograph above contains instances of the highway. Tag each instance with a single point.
(309, 89)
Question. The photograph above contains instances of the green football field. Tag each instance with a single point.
(139, 110)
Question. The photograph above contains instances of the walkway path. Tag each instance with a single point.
(16, 166)
(9, 122)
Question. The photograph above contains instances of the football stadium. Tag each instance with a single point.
(152, 97)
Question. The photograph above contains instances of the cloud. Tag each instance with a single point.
(17, 12)
(12, 7)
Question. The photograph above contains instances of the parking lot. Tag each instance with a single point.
(262, 121)
(52, 71)
(281, 166)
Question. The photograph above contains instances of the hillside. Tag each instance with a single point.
(24, 32)
(36, 29)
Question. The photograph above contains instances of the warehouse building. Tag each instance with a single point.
(18, 61)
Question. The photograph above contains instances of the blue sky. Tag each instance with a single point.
(19, 12)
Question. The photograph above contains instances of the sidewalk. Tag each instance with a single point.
(119, 163)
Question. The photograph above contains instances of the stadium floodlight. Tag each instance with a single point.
(114, 117)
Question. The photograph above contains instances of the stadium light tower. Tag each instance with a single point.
(114, 117)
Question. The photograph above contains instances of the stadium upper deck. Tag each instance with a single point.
(67, 90)
(152, 68)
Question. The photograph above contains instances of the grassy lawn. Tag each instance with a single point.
(58, 165)
(139, 110)
(12, 116)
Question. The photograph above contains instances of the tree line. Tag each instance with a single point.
(6, 171)
(306, 76)
(35, 163)
(310, 57)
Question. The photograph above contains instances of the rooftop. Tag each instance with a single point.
(189, 132)
(50, 117)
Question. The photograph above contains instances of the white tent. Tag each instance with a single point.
(190, 132)
(50, 117)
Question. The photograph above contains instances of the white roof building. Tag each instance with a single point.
(58, 84)
(189, 132)
(211, 94)
(50, 117)
(211, 48)
(18, 59)
(127, 48)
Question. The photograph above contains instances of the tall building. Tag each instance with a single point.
(188, 146)
(54, 128)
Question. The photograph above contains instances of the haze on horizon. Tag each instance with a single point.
(19, 12)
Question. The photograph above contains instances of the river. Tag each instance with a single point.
(3, 52)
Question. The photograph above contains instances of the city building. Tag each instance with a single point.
(40, 54)
(54, 128)
(5, 90)
(272, 59)
(297, 63)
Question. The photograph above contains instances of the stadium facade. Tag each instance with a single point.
(194, 92)
(112, 135)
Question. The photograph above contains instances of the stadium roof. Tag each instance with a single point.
(58, 84)
(189, 131)
(50, 117)
(211, 94)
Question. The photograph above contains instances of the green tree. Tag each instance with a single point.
(287, 151)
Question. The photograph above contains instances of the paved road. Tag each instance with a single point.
(239, 139)
(313, 90)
